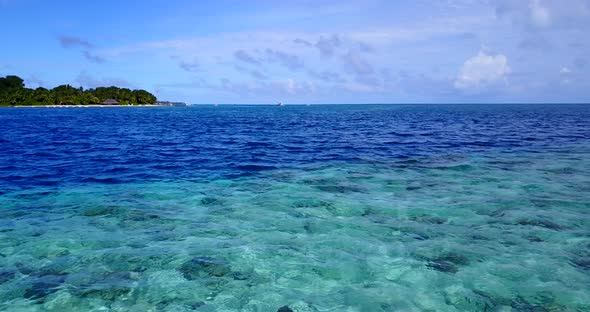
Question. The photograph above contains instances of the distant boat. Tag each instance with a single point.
(168, 103)
(280, 104)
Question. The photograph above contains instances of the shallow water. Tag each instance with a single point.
(422, 225)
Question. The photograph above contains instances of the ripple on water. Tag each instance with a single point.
(363, 237)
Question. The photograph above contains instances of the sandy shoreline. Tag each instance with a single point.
(77, 106)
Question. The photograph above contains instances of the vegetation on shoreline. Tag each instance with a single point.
(14, 93)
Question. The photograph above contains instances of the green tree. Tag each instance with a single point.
(42, 96)
(66, 95)
(144, 97)
(11, 82)
(13, 92)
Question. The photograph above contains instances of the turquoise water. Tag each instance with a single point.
(438, 233)
(321, 208)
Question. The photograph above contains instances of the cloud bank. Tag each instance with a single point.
(331, 51)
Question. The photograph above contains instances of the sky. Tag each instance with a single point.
(345, 51)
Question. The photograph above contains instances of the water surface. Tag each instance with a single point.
(321, 208)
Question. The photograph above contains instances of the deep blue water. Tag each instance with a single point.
(115, 145)
(312, 209)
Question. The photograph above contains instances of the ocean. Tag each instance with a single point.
(295, 208)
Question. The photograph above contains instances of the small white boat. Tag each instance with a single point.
(280, 104)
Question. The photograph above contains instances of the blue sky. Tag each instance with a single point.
(258, 51)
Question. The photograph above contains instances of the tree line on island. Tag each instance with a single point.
(14, 93)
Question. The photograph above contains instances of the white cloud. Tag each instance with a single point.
(482, 71)
(276, 88)
(535, 15)
(88, 81)
(566, 75)
(356, 64)
(540, 15)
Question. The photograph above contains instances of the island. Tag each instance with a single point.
(14, 93)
